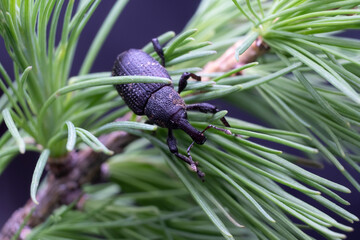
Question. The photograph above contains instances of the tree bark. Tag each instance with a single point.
(227, 61)
(64, 184)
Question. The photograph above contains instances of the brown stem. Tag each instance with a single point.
(228, 62)
(64, 182)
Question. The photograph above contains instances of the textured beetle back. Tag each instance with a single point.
(135, 62)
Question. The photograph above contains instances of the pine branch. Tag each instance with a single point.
(227, 62)
(64, 183)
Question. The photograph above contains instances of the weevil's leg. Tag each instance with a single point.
(171, 142)
(149, 122)
(206, 108)
(159, 50)
(183, 80)
(210, 126)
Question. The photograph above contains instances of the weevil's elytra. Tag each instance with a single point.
(135, 62)
(160, 102)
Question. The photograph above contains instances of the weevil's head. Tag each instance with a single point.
(180, 121)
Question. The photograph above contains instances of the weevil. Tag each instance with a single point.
(161, 103)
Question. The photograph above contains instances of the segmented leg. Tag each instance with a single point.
(159, 50)
(183, 80)
(171, 142)
(210, 126)
(206, 108)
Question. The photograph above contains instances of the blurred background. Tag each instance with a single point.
(137, 25)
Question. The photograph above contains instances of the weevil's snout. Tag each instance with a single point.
(195, 134)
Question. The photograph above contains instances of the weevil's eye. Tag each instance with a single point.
(178, 117)
(184, 115)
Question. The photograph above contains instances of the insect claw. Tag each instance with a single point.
(193, 167)
(201, 175)
(228, 132)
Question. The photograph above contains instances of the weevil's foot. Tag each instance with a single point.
(201, 175)
(193, 167)
(228, 132)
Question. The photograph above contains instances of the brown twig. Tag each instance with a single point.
(228, 62)
(64, 182)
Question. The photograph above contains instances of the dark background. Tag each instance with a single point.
(137, 25)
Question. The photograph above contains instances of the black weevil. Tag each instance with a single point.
(160, 102)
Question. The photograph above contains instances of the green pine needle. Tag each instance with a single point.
(39, 169)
